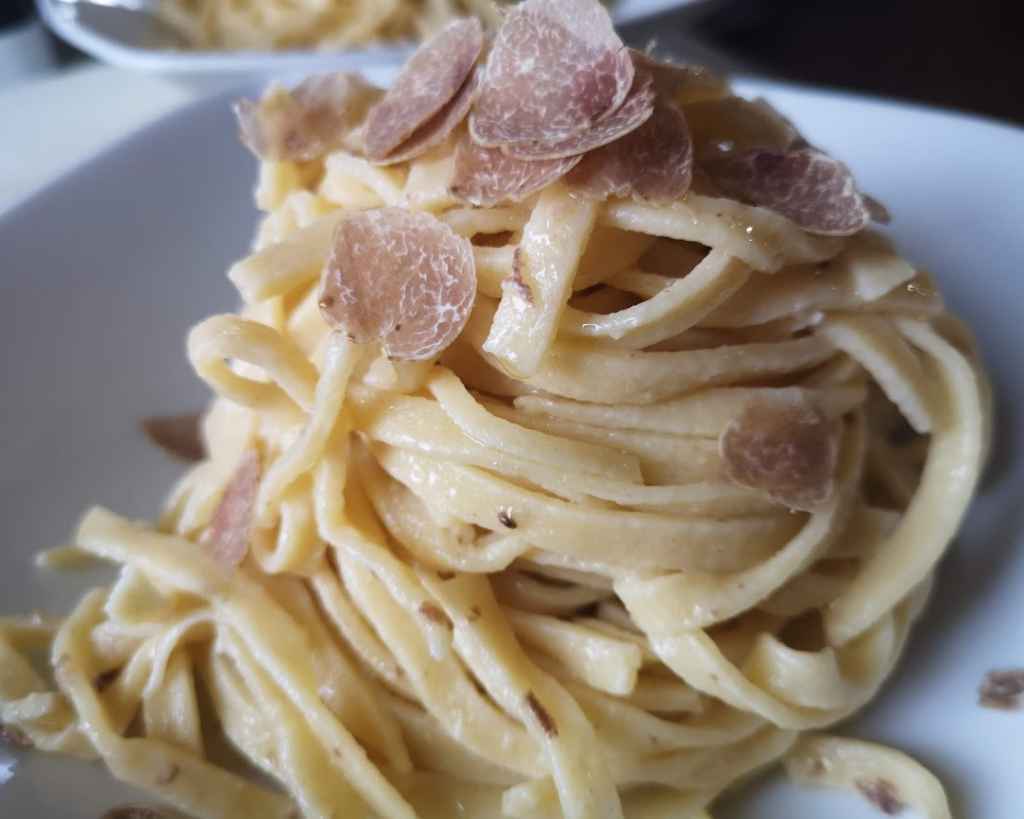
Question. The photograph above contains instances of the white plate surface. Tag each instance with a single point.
(104, 271)
(126, 39)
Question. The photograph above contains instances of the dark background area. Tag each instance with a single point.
(13, 10)
(966, 54)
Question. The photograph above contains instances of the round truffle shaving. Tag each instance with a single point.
(785, 447)
(654, 163)
(400, 277)
(488, 176)
(178, 435)
(439, 127)
(633, 113)
(733, 125)
(878, 211)
(307, 122)
(229, 532)
(809, 187)
(556, 67)
(429, 81)
(682, 84)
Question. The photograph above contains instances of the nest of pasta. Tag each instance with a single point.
(579, 450)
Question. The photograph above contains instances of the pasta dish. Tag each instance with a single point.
(580, 449)
(258, 25)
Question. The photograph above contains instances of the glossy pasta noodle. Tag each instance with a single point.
(317, 24)
(533, 575)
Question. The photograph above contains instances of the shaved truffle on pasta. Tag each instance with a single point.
(809, 187)
(430, 80)
(635, 110)
(439, 127)
(728, 124)
(308, 121)
(488, 176)
(654, 163)
(681, 83)
(399, 277)
(784, 446)
(231, 527)
(577, 451)
(556, 67)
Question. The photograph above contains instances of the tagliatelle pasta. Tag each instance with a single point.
(571, 505)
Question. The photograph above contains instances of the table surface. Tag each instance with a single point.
(62, 119)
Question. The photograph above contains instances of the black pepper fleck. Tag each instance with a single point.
(435, 614)
(106, 679)
(171, 774)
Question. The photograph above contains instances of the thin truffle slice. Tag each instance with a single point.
(439, 127)
(136, 812)
(430, 80)
(681, 84)
(228, 533)
(733, 125)
(654, 163)
(14, 737)
(400, 277)
(307, 122)
(877, 210)
(488, 176)
(556, 67)
(1002, 689)
(784, 447)
(178, 435)
(632, 114)
(809, 187)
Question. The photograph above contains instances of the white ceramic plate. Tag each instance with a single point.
(105, 270)
(126, 39)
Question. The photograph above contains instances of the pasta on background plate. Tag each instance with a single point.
(256, 25)
(579, 450)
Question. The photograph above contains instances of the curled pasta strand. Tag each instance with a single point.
(879, 773)
(229, 337)
(950, 477)
(340, 359)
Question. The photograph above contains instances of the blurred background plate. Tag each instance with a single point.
(132, 39)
